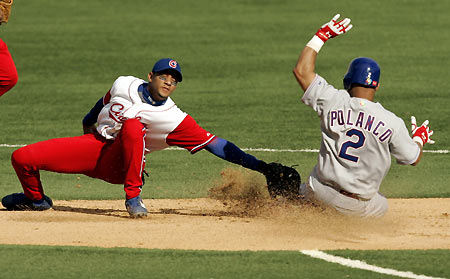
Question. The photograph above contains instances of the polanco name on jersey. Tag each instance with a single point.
(338, 117)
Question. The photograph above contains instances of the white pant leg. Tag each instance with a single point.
(325, 195)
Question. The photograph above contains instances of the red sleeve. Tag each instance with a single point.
(8, 72)
(107, 98)
(189, 135)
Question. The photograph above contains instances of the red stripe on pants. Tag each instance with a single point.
(8, 72)
(118, 161)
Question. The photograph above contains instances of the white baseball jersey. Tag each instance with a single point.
(358, 138)
(166, 124)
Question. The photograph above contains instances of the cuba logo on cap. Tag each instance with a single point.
(173, 64)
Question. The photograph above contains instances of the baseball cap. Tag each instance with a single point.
(168, 64)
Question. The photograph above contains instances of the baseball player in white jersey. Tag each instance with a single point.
(134, 118)
(358, 135)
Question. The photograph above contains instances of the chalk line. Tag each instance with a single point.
(363, 265)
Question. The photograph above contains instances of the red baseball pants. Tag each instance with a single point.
(119, 161)
(8, 72)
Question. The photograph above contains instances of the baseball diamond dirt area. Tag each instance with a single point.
(212, 224)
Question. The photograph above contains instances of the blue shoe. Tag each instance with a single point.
(136, 207)
(19, 201)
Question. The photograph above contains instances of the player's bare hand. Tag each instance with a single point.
(421, 134)
(334, 28)
(89, 129)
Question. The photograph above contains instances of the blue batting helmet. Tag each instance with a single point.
(363, 71)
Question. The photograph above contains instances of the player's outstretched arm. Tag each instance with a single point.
(421, 135)
(304, 70)
(229, 151)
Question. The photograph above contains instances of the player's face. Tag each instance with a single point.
(161, 86)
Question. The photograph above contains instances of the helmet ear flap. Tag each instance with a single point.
(347, 82)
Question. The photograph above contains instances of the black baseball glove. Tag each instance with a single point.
(282, 181)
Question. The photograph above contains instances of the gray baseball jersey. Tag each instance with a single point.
(358, 138)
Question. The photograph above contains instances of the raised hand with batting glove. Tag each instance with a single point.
(330, 30)
(304, 70)
(421, 134)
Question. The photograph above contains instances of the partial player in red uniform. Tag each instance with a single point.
(8, 72)
(134, 118)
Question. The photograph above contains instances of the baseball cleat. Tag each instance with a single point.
(136, 207)
(19, 201)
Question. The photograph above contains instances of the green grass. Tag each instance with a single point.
(236, 57)
(65, 262)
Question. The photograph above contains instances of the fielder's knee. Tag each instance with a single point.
(20, 157)
(133, 128)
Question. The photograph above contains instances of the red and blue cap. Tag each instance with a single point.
(168, 64)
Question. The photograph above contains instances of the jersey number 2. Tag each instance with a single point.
(351, 144)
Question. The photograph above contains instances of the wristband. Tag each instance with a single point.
(418, 140)
(315, 43)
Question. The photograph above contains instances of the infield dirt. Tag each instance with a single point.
(232, 218)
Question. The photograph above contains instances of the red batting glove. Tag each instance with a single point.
(421, 134)
(334, 28)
